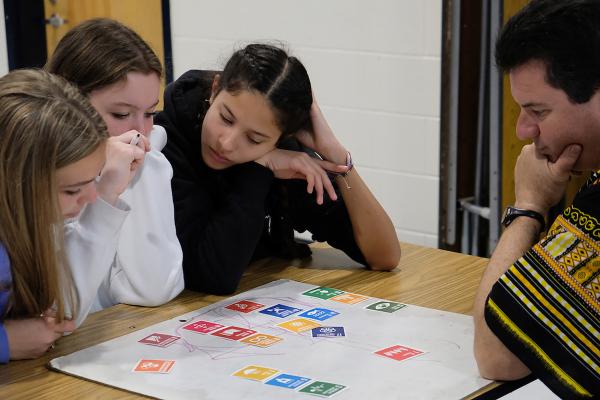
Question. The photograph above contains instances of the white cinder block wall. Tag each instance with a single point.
(375, 69)
(3, 53)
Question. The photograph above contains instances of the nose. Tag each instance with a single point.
(226, 141)
(527, 127)
(139, 125)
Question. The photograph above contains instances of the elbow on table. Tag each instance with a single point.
(385, 261)
(500, 368)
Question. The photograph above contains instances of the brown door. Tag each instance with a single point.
(143, 16)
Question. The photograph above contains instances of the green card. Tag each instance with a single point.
(324, 389)
(323, 293)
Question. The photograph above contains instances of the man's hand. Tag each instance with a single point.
(540, 183)
(32, 337)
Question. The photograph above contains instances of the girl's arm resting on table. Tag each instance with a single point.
(91, 245)
(219, 235)
(373, 230)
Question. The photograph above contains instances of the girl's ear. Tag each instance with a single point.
(214, 90)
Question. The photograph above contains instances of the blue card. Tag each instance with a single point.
(288, 381)
(328, 331)
(320, 314)
(280, 311)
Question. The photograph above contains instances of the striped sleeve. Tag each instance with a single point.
(545, 308)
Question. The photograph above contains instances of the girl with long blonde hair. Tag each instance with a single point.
(52, 148)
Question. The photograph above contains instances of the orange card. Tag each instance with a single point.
(261, 340)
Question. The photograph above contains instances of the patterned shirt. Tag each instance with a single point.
(546, 308)
(5, 285)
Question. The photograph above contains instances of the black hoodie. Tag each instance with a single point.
(225, 219)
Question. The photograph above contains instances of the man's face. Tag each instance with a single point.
(551, 120)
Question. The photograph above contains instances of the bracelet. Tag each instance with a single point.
(350, 166)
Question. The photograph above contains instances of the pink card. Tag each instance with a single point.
(234, 333)
(203, 327)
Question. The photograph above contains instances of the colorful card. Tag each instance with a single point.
(204, 327)
(154, 366)
(245, 306)
(233, 333)
(288, 381)
(159, 339)
(324, 293)
(255, 372)
(399, 353)
(261, 340)
(350, 298)
(280, 311)
(325, 389)
(298, 325)
(386, 306)
(319, 314)
(328, 331)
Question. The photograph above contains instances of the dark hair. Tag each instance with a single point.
(100, 52)
(565, 35)
(282, 79)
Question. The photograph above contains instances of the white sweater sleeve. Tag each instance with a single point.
(147, 269)
(90, 245)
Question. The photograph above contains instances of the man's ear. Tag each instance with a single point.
(215, 87)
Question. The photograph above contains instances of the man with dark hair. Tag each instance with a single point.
(537, 308)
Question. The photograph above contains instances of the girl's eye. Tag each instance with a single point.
(120, 115)
(253, 141)
(227, 121)
(150, 114)
(72, 192)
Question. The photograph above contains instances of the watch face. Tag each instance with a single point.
(509, 215)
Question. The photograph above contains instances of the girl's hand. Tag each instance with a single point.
(287, 164)
(32, 337)
(122, 161)
(321, 139)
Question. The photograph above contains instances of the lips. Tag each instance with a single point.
(218, 157)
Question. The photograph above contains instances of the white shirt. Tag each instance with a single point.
(128, 253)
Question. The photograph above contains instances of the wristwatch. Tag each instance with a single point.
(511, 213)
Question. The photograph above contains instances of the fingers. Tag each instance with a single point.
(134, 138)
(568, 158)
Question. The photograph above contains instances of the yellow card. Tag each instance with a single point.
(255, 372)
(299, 325)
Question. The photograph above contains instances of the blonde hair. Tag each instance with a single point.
(45, 124)
(100, 52)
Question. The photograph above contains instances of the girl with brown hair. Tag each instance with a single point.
(123, 248)
(52, 148)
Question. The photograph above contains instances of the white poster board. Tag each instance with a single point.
(205, 363)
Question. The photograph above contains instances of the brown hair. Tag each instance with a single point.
(100, 52)
(45, 124)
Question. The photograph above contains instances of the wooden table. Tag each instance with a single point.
(426, 277)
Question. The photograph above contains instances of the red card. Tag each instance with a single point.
(156, 366)
(234, 333)
(159, 339)
(245, 306)
(203, 327)
(399, 353)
